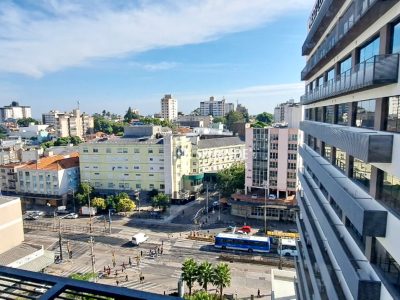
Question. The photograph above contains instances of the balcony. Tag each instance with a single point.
(21, 284)
(368, 145)
(360, 15)
(360, 278)
(377, 71)
(367, 215)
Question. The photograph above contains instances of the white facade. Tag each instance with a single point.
(288, 113)
(15, 111)
(215, 108)
(169, 108)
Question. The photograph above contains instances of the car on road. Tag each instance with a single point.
(139, 238)
(31, 217)
(272, 197)
(71, 216)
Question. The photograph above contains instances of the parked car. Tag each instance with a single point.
(31, 217)
(272, 197)
(71, 216)
(139, 238)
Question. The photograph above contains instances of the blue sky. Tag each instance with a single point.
(111, 54)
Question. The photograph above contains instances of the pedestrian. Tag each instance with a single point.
(141, 253)
(164, 293)
(130, 261)
(123, 266)
(258, 293)
(126, 277)
(161, 251)
(104, 269)
(162, 243)
(116, 273)
(117, 282)
(114, 264)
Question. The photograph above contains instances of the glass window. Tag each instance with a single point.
(390, 191)
(396, 38)
(329, 113)
(328, 152)
(343, 114)
(330, 75)
(320, 81)
(365, 114)
(318, 114)
(362, 172)
(340, 160)
(345, 65)
(393, 118)
(370, 50)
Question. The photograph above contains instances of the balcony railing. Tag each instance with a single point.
(379, 70)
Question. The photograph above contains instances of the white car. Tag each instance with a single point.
(71, 216)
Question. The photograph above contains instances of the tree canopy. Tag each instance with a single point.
(161, 201)
(265, 117)
(24, 122)
(129, 116)
(125, 205)
(99, 203)
(234, 117)
(231, 179)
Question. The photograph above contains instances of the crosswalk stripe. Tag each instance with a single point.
(140, 286)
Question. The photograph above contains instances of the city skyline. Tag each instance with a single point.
(139, 51)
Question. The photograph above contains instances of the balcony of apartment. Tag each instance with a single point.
(370, 146)
(360, 278)
(21, 284)
(366, 214)
(377, 71)
(318, 243)
(321, 16)
(360, 14)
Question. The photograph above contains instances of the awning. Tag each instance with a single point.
(40, 262)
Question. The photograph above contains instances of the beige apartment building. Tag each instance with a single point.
(11, 227)
(169, 108)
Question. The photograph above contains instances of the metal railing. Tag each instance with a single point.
(379, 70)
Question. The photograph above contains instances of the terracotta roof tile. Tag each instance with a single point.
(56, 162)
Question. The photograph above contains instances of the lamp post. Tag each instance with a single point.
(265, 208)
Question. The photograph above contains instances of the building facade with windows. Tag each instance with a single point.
(215, 108)
(288, 112)
(350, 178)
(15, 111)
(169, 108)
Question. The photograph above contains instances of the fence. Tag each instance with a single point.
(37, 225)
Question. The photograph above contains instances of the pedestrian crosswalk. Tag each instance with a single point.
(177, 274)
(77, 269)
(77, 248)
(144, 286)
(184, 243)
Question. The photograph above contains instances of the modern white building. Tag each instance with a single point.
(349, 199)
(15, 111)
(288, 113)
(169, 108)
(215, 108)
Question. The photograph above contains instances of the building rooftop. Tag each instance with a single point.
(6, 199)
(17, 253)
(220, 142)
(54, 163)
(126, 141)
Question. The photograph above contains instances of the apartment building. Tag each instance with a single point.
(210, 156)
(169, 108)
(15, 111)
(48, 179)
(215, 108)
(288, 112)
(69, 124)
(141, 163)
(350, 178)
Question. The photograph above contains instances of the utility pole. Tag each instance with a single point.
(265, 209)
(109, 220)
(60, 238)
(219, 206)
(90, 215)
(280, 253)
(91, 241)
(207, 201)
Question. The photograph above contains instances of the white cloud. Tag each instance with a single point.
(49, 35)
(164, 65)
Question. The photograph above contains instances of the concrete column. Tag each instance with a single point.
(381, 111)
(335, 113)
(349, 166)
(375, 182)
(352, 113)
(355, 57)
(368, 247)
(384, 35)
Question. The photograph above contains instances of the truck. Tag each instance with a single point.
(139, 238)
(85, 211)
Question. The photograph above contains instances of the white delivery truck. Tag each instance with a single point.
(139, 238)
(85, 211)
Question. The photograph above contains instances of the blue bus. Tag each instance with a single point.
(243, 242)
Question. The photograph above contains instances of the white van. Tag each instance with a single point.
(288, 247)
(139, 238)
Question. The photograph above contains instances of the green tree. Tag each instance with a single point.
(205, 274)
(99, 203)
(189, 273)
(125, 205)
(231, 179)
(234, 117)
(75, 140)
(46, 145)
(219, 120)
(259, 124)
(24, 122)
(84, 191)
(265, 117)
(202, 295)
(129, 116)
(222, 277)
(161, 201)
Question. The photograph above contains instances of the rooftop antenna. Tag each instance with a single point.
(78, 103)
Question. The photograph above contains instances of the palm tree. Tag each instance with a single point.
(222, 277)
(189, 273)
(205, 274)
